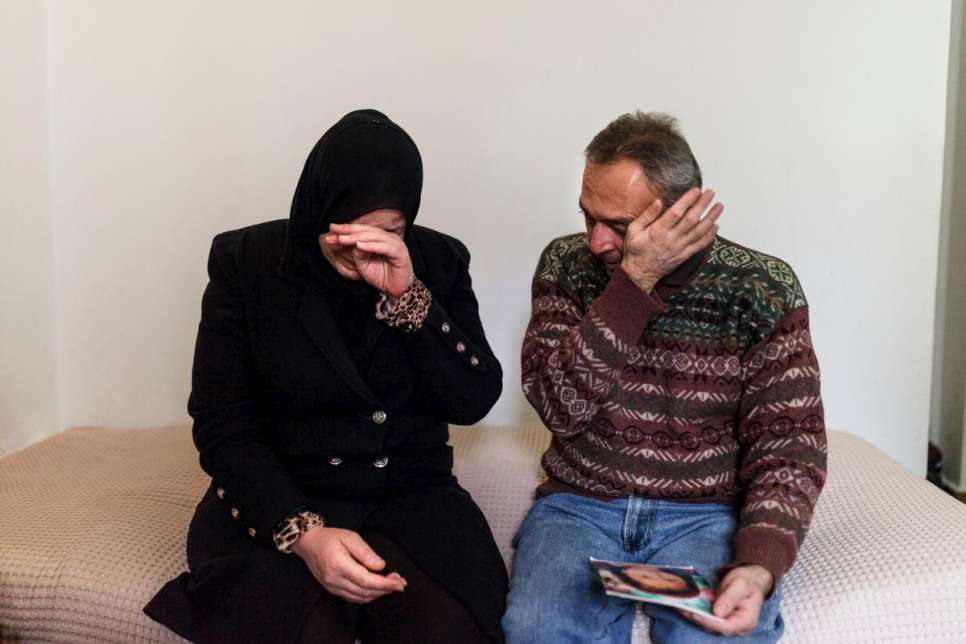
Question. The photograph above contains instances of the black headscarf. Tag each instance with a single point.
(364, 162)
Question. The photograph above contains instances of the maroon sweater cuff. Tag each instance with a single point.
(773, 551)
(625, 308)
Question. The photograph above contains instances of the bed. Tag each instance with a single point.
(93, 521)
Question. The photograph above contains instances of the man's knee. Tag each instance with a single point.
(535, 618)
(521, 622)
(670, 627)
(550, 616)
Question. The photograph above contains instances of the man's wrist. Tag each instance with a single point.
(642, 281)
(761, 576)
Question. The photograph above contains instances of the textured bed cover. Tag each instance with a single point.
(93, 521)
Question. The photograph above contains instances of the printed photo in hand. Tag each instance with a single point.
(675, 586)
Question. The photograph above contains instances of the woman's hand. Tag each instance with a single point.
(345, 565)
(379, 257)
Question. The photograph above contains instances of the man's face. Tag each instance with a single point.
(612, 196)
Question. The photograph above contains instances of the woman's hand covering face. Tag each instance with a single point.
(371, 248)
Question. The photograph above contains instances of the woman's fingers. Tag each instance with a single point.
(376, 247)
(350, 576)
(346, 584)
(356, 597)
(349, 228)
(374, 241)
(359, 563)
(348, 589)
(362, 552)
(359, 229)
(384, 249)
(347, 239)
(352, 581)
(370, 581)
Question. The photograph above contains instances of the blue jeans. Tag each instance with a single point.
(555, 596)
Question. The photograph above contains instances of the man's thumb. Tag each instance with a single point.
(723, 605)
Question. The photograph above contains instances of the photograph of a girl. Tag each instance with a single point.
(677, 587)
(628, 578)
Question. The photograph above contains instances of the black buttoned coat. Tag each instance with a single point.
(284, 421)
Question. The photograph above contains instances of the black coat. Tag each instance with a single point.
(283, 420)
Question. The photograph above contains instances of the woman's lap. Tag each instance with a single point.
(424, 612)
(240, 589)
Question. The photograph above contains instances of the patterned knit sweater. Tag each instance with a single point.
(704, 391)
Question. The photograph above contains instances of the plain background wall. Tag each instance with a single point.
(821, 126)
(28, 386)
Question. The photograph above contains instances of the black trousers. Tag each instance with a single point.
(425, 612)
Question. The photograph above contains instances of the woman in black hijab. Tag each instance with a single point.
(334, 349)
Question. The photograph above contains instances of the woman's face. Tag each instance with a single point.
(341, 257)
(613, 583)
(653, 579)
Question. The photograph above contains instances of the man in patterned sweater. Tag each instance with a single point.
(676, 373)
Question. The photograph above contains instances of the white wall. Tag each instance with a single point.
(820, 125)
(28, 392)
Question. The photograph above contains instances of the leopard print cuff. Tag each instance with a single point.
(289, 530)
(409, 311)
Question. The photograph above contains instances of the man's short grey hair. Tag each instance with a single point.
(653, 141)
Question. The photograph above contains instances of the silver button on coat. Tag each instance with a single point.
(220, 492)
(379, 417)
(445, 327)
(335, 460)
(381, 462)
(234, 513)
(461, 346)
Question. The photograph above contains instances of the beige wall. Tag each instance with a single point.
(28, 394)
(949, 393)
(820, 125)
